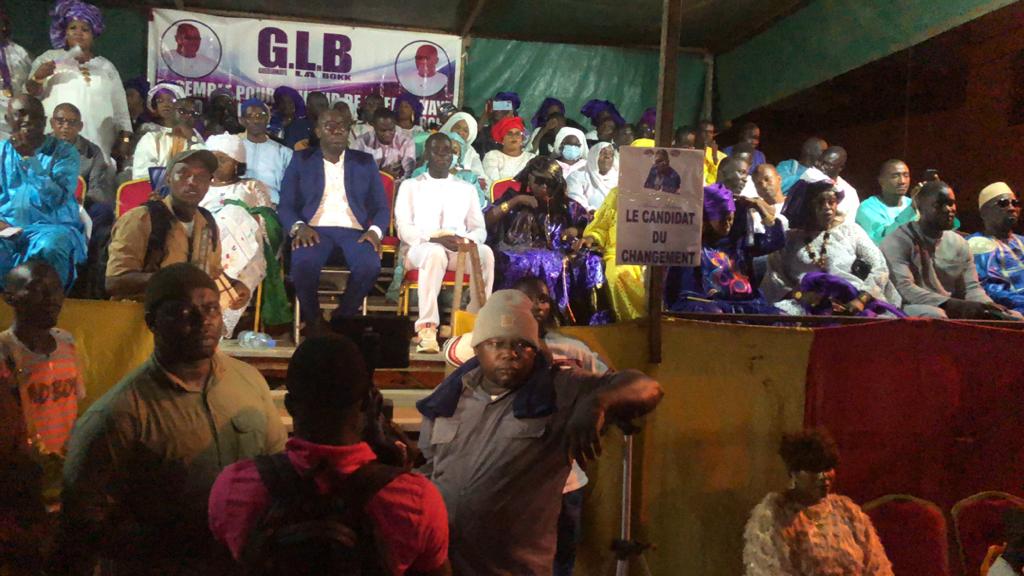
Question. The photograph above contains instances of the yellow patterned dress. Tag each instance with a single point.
(625, 284)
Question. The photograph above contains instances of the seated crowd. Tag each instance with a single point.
(184, 466)
(303, 183)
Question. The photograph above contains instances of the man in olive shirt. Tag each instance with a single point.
(141, 461)
(191, 236)
(495, 432)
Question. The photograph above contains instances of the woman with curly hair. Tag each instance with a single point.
(808, 530)
(534, 231)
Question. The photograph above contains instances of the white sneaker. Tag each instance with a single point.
(428, 341)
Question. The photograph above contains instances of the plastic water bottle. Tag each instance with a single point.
(255, 340)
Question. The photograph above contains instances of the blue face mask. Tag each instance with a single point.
(572, 153)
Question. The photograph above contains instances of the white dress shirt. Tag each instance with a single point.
(428, 206)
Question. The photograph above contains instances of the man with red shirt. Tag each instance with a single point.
(328, 387)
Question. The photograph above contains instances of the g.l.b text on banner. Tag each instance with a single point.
(660, 212)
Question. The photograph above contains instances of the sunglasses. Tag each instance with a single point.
(1007, 202)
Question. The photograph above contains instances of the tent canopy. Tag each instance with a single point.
(714, 26)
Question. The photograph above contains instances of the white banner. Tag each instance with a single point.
(661, 196)
(253, 57)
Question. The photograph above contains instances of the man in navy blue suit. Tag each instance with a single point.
(332, 201)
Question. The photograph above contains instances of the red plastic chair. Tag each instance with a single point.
(132, 194)
(499, 187)
(80, 190)
(389, 243)
(914, 533)
(978, 521)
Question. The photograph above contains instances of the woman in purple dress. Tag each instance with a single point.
(534, 228)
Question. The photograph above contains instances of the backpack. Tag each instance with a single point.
(161, 219)
(305, 533)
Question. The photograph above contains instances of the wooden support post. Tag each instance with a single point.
(671, 30)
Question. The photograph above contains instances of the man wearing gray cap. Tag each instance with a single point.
(175, 229)
(142, 460)
(495, 435)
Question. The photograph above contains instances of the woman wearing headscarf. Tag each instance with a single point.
(176, 133)
(809, 529)
(73, 73)
(589, 187)
(626, 287)
(645, 125)
(288, 122)
(719, 285)
(597, 111)
(511, 159)
(136, 90)
(465, 126)
(408, 109)
(829, 264)
(250, 233)
(570, 150)
(534, 231)
(539, 122)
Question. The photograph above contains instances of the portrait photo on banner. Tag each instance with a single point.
(659, 213)
(252, 58)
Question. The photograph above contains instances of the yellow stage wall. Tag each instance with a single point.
(706, 457)
(708, 454)
(112, 340)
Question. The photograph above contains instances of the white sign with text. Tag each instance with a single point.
(661, 196)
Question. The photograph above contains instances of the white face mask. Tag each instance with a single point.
(572, 152)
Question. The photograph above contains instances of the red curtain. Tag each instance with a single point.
(928, 408)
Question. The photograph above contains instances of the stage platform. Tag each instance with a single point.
(402, 386)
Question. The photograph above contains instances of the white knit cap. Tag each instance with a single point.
(229, 144)
(993, 191)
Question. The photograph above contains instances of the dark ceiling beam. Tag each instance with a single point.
(474, 13)
(767, 22)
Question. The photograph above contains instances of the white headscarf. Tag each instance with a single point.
(565, 133)
(602, 182)
(229, 144)
(470, 123)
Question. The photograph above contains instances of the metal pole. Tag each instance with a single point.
(626, 522)
(671, 30)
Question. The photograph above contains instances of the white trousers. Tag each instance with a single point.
(433, 260)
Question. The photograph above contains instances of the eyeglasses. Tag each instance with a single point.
(334, 127)
(1007, 202)
(257, 115)
(66, 122)
(520, 347)
(189, 112)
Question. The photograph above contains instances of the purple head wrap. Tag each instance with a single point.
(594, 107)
(798, 208)
(288, 92)
(64, 11)
(139, 84)
(509, 97)
(541, 116)
(718, 202)
(250, 103)
(649, 117)
(417, 106)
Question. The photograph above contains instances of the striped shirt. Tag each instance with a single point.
(48, 386)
